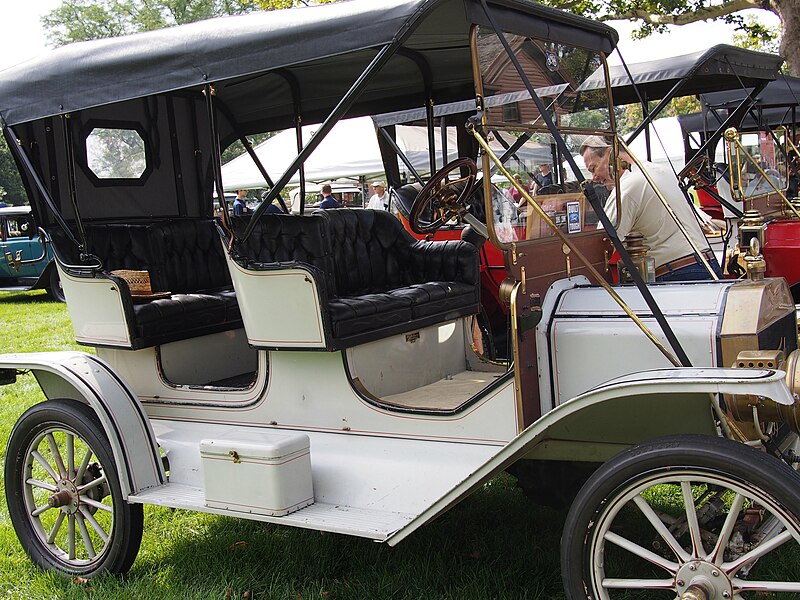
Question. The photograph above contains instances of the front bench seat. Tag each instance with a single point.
(387, 281)
(374, 279)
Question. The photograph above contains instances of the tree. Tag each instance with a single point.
(655, 15)
(79, 20)
(10, 181)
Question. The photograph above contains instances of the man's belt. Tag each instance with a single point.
(683, 261)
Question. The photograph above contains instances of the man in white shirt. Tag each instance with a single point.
(380, 199)
(643, 211)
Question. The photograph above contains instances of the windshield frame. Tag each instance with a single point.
(486, 165)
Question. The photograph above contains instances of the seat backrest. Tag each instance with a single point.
(119, 246)
(186, 256)
(371, 251)
(279, 238)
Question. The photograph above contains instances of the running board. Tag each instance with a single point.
(348, 520)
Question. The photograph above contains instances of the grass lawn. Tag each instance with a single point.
(497, 544)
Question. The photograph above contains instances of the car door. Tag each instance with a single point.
(18, 243)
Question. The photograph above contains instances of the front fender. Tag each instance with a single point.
(86, 378)
(615, 415)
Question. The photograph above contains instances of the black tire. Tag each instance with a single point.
(80, 514)
(592, 550)
(54, 288)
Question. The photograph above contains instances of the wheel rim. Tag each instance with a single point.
(67, 498)
(718, 545)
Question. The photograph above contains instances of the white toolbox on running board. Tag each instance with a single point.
(263, 473)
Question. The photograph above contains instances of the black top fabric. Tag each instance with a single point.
(710, 121)
(99, 72)
(721, 67)
(784, 91)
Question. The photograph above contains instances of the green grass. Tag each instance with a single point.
(494, 545)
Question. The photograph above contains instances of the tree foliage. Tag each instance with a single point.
(10, 181)
(655, 15)
(79, 20)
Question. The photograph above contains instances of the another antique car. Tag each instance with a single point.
(27, 263)
(761, 171)
(319, 370)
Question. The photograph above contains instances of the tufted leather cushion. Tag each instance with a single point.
(186, 257)
(386, 281)
(187, 315)
(368, 312)
(437, 297)
(279, 239)
(119, 246)
(373, 252)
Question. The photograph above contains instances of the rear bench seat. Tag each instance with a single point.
(183, 257)
(374, 279)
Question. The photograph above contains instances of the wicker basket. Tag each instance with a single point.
(138, 281)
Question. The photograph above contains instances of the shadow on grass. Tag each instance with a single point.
(496, 544)
(23, 298)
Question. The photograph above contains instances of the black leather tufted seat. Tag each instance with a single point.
(183, 257)
(375, 279)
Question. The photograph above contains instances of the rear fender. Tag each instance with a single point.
(600, 423)
(88, 379)
(44, 278)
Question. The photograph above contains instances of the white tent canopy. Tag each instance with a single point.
(349, 150)
(666, 147)
(666, 144)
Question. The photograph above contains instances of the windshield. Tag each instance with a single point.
(760, 165)
(530, 154)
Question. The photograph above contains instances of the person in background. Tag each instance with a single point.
(239, 207)
(380, 199)
(542, 179)
(514, 194)
(328, 201)
(643, 211)
(273, 208)
(793, 172)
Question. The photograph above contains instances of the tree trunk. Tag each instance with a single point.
(789, 12)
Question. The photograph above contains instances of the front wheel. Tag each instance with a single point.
(685, 517)
(64, 495)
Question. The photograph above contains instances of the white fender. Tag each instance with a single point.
(622, 412)
(87, 378)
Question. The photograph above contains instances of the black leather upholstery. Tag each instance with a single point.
(376, 278)
(183, 257)
(280, 240)
(187, 257)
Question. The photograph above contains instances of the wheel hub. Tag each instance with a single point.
(700, 580)
(66, 498)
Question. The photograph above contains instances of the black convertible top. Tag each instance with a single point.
(313, 42)
(784, 91)
(721, 67)
(710, 121)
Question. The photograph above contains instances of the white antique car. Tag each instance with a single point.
(320, 370)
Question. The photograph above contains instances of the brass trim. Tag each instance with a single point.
(671, 212)
(515, 343)
(734, 139)
(485, 165)
(488, 153)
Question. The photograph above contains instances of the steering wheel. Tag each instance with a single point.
(446, 199)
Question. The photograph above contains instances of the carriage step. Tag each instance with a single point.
(348, 520)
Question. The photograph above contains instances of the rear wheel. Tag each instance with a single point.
(54, 288)
(63, 492)
(685, 517)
